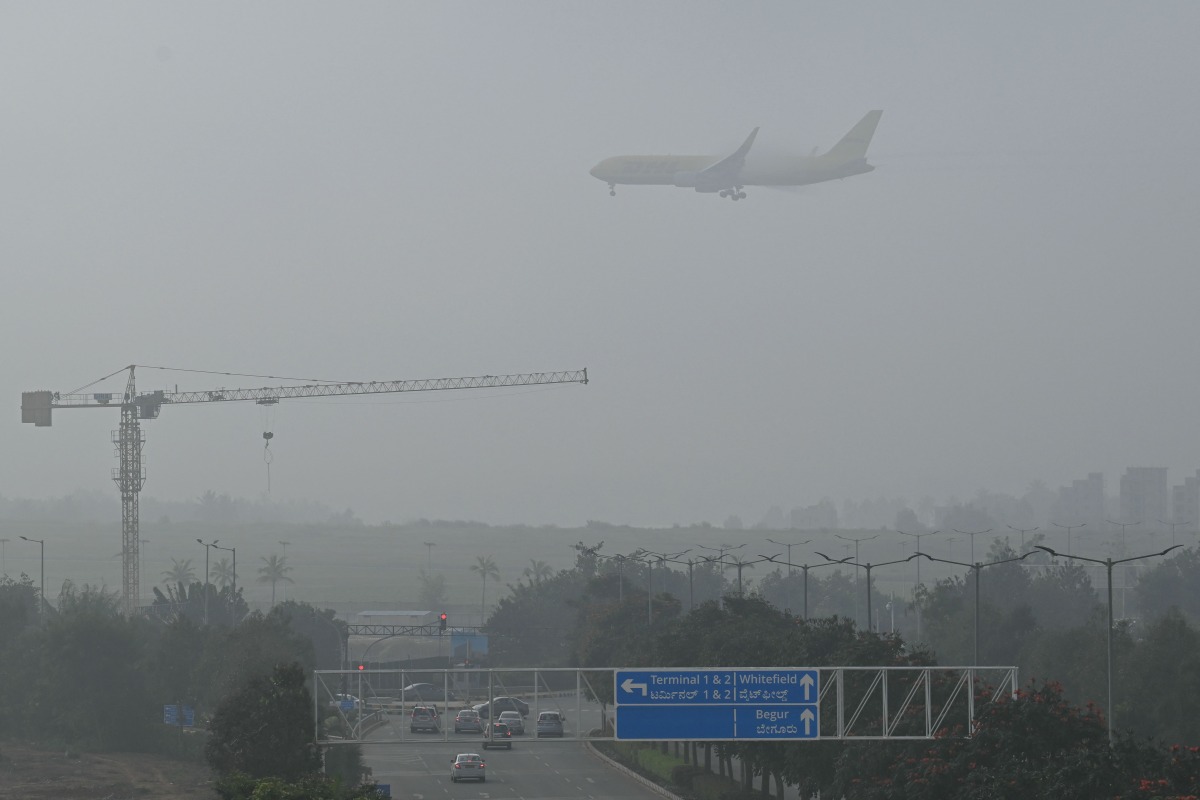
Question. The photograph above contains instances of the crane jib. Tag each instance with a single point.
(36, 405)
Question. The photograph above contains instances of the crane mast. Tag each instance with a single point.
(130, 474)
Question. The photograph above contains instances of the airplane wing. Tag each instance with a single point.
(724, 173)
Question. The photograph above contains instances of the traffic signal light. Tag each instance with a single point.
(442, 621)
(361, 667)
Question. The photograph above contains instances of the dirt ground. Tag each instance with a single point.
(28, 774)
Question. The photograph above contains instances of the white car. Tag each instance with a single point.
(514, 722)
(468, 766)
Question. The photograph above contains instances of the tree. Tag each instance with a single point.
(180, 572)
(275, 569)
(433, 590)
(222, 573)
(537, 571)
(485, 567)
(264, 729)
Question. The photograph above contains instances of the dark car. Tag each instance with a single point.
(497, 734)
(503, 704)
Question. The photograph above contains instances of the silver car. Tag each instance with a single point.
(550, 723)
(468, 766)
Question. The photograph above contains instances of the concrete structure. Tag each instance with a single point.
(1185, 502)
(1081, 502)
(1144, 495)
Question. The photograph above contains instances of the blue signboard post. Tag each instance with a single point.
(721, 704)
(171, 715)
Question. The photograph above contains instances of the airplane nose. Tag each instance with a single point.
(594, 170)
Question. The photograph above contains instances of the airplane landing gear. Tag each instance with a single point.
(612, 190)
(734, 194)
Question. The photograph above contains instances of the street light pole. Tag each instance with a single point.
(1069, 528)
(1124, 570)
(1108, 564)
(208, 546)
(868, 567)
(978, 567)
(1023, 531)
(917, 586)
(428, 555)
(233, 590)
(856, 540)
(3, 568)
(972, 534)
(805, 567)
(1173, 525)
(788, 585)
(42, 589)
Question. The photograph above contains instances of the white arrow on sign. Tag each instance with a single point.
(807, 683)
(808, 716)
(628, 685)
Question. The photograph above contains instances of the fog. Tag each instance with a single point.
(382, 191)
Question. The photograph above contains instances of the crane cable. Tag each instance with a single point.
(268, 435)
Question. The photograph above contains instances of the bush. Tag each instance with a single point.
(683, 774)
(713, 787)
(658, 764)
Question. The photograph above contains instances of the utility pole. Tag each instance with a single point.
(3, 567)
(42, 590)
(428, 555)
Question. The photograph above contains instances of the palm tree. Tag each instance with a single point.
(537, 571)
(222, 573)
(276, 570)
(486, 567)
(180, 572)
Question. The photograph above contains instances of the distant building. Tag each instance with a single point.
(1185, 502)
(823, 515)
(1082, 502)
(1144, 495)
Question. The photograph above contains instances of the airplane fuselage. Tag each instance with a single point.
(681, 171)
(727, 175)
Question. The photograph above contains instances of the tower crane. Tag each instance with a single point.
(130, 475)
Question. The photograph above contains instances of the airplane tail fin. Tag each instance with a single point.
(854, 144)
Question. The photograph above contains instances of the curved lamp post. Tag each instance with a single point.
(868, 567)
(1022, 531)
(233, 591)
(789, 546)
(42, 589)
(805, 567)
(978, 567)
(1068, 529)
(1108, 564)
(917, 586)
(208, 546)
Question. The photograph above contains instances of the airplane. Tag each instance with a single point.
(727, 176)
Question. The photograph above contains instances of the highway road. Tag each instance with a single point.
(533, 770)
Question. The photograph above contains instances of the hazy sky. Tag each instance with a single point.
(400, 190)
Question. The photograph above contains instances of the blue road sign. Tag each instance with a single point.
(384, 789)
(171, 715)
(722, 723)
(346, 705)
(718, 704)
(716, 686)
